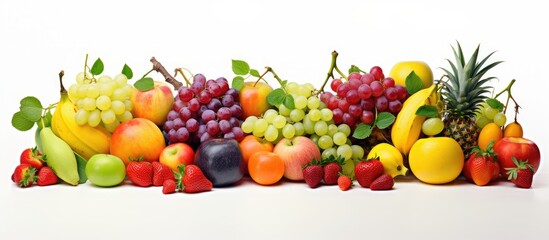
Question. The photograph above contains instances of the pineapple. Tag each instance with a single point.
(462, 94)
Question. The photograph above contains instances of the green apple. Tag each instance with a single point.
(105, 170)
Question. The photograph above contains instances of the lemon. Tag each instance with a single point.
(401, 70)
(436, 160)
(390, 157)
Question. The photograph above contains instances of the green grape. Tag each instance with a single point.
(279, 121)
(344, 128)
(82, 91)
(103, 103)
(271, 133)
(81, 117)
(104, 78)
(348, 168)
(314, 138)
(303, 91)
(322, 105)
(345, 151)
(299, 129)
(314, 115)
(269, 115)
(118, 94)
(329, 152)
(261, 125)
(326, 114)
(88, 104)
(106, 89)
(291, 87)
(80, 103)
(325, 142)
(283, 110)
(127, 90)
(482, 121)
(117, 106)
(308, 125)
(340, 138)
(321, 128)
(288, 131)
(258, 133)
(93, 91)
(247, 126)
(80, 77)
(500, 119)
(108, 116)
(124, 117)
(94, 118)
(121, 79)
(309, 86)
(490, 113)
(358, 152)
(296, 115)
(112, 126)
(332, 129)
(128, 104)
(432, 126)
(313, 102)
(300, 102)
(73, 89)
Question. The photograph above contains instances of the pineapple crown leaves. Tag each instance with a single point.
(466, 88)
(488, 152)
(520, 165)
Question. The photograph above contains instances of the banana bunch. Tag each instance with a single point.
(84, 140)
(407, 126)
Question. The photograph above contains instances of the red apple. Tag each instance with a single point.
(520, 148)
(137, 138)
(153, 104)
(177, 154)
(253, 98)
(295, 153)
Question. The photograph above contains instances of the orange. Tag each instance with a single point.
(513, 129)
(490, 132)
(401, 70)
(252, 144)
(266, 168)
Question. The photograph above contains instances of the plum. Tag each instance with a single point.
(221, 161)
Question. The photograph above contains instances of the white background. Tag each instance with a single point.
(40, 38)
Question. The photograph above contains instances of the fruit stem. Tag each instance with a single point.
(333, 65)
(85, 65)
(180, 71)
(157, 66)
(269, 69)
(509, 96)
(262, 75)
(61, 74)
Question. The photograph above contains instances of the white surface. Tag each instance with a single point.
(37, 39)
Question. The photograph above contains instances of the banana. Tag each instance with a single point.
(84, 140)
(407, 126)
(60, 156)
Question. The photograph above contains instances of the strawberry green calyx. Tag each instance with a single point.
(178, 175)
(488, 152)
(520, 165)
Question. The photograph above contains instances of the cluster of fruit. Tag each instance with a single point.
(31, 170)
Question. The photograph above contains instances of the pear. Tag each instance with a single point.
(60, 156)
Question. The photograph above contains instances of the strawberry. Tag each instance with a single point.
(24, 175)
(522, 175)
(140, 173)
(32, 157)
(46, 177)
(344, 182)
(191, 179)
(313, 173)
(161, 173)
(169, 186)
(332, 168)
(383, 182)
(480, 166)
(367, 171)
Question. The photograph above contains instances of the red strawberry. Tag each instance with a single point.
(332, 168)
(46, 177)
(169, 186)
(494, 165)
(191, 179)
(161, 173)
(367, 171)
(140, 173)
(32, 157)
(480, 166)
(24, 175)
(522, 176)
(313, 173)
(344, 182)
(383, 182)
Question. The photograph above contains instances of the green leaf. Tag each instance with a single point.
(21, 123)
(31, 101)
(31, 113)
(144, 84)
(276, 97)
(283, 83)
(238, 83)
(384, 120)
(427, 111)
(240, 67)
(254, 73)
(46, 119)
(495, 104)
(289, 101)
(413, 83)
(81, 164)
(126, 70)
(354, 69)
(362, 131)
(97, 67)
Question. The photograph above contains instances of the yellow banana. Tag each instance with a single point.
(84, 140)
(407, 126)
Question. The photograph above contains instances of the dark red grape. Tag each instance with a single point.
(395, 106)
(377, 72)
(338, 116)
(212, 127)
(208, 115)
(172, 136)
(333, 102)
(352, 96)
(334, 85)
(367, 78)
(215, 90)
(391, 93)
(185, 94)
(402, 92)
(204, 97)
(381, 103)
(235, 122)
(205, 137)
(343, 89)
(193, 105)
(214, 104)
(236, 110)
(343, 105)
(238, 134)
(348, 119)
(233, 92)
(223, 83)
(199, 78)
(225, 126)
(178, 123)
(364, 91)
(185, 113)
(224, 113)
(172, 115)
(367, 117)
(227, 100)
(355, 110)
(192, 125)
(367, 104)
(197, 87)
(354, 75)
(182, 134)
(354, 83)
(377, 88)
(168, 125)
(388, 82)
(178, 104)
(325, 97)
